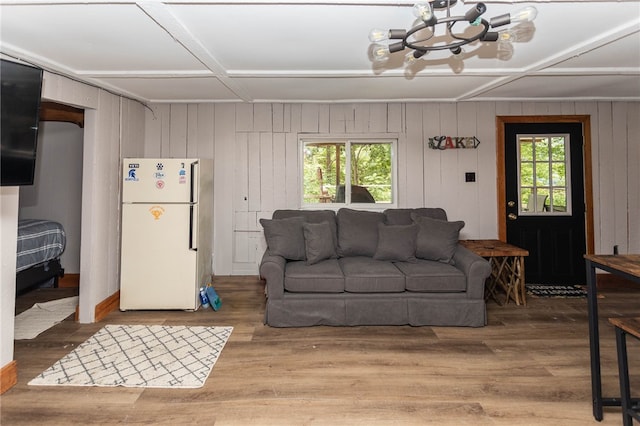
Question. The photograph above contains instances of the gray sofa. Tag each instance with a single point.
(402, 266)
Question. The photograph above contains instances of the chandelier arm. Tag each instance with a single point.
(453, 20)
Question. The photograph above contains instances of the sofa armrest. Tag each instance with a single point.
(476, 269)
(272, 270)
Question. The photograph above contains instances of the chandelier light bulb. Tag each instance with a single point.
(423, 11)
(380, 52)
(526, 14)
(377, 34)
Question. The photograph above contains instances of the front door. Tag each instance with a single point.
(545, 199)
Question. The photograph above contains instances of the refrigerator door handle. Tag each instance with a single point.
(192, 247)
(193, 182)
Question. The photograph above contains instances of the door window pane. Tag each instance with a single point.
(544, 176)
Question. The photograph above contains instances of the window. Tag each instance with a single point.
(348, 171)
(543, 172)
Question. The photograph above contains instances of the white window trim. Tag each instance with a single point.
(347, 139)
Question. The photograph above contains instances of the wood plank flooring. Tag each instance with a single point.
(529, 366)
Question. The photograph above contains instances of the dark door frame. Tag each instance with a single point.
(585, 120)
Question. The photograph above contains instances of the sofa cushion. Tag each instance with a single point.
(403, 216)
(396, 243)
(437, 239)
(358, 232)
(285, 237)
(322, 277)
(432, 277)
(312, 216)
(318, 242)
(366, 275)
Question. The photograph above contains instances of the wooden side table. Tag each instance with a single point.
(507, 268)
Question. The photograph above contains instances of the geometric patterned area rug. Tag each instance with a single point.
(140, 356)
(559, 291)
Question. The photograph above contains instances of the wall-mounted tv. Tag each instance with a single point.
(20, 92)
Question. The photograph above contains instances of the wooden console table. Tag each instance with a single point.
(507, 268)
(627, 266)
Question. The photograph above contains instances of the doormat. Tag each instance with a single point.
(559, 291)
(140, 356)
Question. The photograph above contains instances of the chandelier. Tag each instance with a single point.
(423, 38)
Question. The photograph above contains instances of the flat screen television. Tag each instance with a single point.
(20, 92)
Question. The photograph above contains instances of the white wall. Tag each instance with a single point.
(255, 152)
(8, 235)
(57, 190)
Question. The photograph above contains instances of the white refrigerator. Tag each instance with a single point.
(167, 207)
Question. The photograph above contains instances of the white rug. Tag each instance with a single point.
(140, 356)
(42, 316)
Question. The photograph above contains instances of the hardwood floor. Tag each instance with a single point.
(529, 366)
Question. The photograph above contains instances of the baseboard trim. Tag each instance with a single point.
(8, 376)
(109, 304)
(69, 280)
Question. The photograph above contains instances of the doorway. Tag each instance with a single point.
(544, 194)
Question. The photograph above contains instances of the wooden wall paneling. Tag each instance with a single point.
(178, 131)
(606, 197)
(292, 180)
(153, 131)
(412, 165)
(165, 131)
(224, 163)
(378, 118)
(361, 115)
(350, 118)
(432, 158)
(324, 119)
(267, 167)
(133, 128)
(467, 194)
(633, 146)
(295, 118)
(530, 108)
(262, 118)
(244, 117)
(568, 108)
(486, 176)
(206, 131)
(254, 173)
(620, 169)
(395, 122)
(243, 252)
(337, 121)
(309, 118)
(193, 129)
(240, 181)
(286, 118)
(278, 117)
(280, 166)
(449, 158)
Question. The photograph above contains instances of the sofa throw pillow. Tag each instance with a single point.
(358, 232)
(285, 237)
(318, 242)
(396, 243)
(437, 239)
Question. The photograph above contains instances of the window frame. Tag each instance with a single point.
(568, 183)
(348, 140)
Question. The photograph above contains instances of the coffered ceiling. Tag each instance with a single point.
(305, 51)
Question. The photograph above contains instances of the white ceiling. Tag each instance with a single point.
(305, 51)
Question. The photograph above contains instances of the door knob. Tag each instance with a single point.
(511, 204)
(512, 216)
